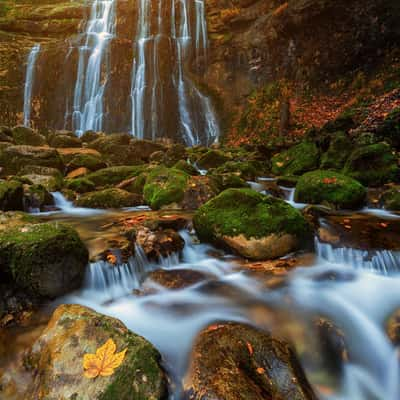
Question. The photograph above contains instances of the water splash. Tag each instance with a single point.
(67, 206)
(92, 71)
(164, 44)
(29, 80)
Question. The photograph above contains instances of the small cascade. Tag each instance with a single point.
(29, 80)
(289, 197)
(92, 71)
(67, 206)
(165, 101)
(383, 262)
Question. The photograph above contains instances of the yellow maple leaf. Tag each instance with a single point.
(104, 362)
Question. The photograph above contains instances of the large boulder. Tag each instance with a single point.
(297, 160)
(92, 162)
(114, 175)
(27, 136)
(11, 195)
(212, 159)
(339, 150)
(332, 188)
(56, 360)
(252, 224)
(165, 187)
(109, 198)
(14, 158)
(245, 170)
(64, 139)
(372, 165)
(46, 259)
(199, 190)
(237, 362)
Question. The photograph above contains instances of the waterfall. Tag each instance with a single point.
(29, 79)
(92, 71)
(170, 34)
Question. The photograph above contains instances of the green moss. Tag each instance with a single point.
(23, 135)
(89, 161)
(184, 166)
(390, 129)
(114, 175)
(80, 185)
(164, 186)
(390, 199)
(212, 159)
(339, 150)
(341, 191)
(11, 195)
(372, 165)
(244, 211)
(245, 170)
(228, 181)
(27, 253)
(297, 160)
(108, 198)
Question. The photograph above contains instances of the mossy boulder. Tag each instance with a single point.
(212, 159)
(373, 165)
(92, 162)
(37, 197)
(390, 199)
(246, 170)
(173, 154)
(335, 189)
(135, 184)
(389, 130)
(51, 183)
(238, 362)
(105, 143)
(146, 148)
(64, 140)
(228, 181)
(80, 185)
(14, 158)
(252, 224)
(184, 166)
(339, 150)
(297, 160)
(114, 175)
(199, 190)
(109, 198)
(164, 187)
(46, 259)
(11, 195)
(55, 360)
(23, 135)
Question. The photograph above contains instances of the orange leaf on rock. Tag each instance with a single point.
(104, 362)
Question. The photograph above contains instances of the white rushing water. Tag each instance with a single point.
(353, 299)
(29, 80)
(164, 44)
(92, 71)
(67, 206)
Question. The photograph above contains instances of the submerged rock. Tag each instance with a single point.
(340, 191)
(56, 359)
(254, 225)
(373, 165)
(297, 160)
(108, 198)
(237, 362)
(47, 259)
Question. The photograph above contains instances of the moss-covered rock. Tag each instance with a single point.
(173, 154)
(228, 181)
(339, 150)
(80, 185)
(199, 190)
(330, 187)
(92, 162)
(372, 165)
(390, 199)
(212, 159)
(14, 158)
(146, 148)
(51, 183)
(36, 196)
(164, 186)
(11, 195)
(245, 170)
(297, 160)
(390, 128)
(114, 175)
(23, 135)
(109, 198)
(64, 140)
(184, 166)
(238, 362)
(73, 331)
(254, 225)
(47, 259)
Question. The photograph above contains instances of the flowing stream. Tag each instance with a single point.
(29, 81)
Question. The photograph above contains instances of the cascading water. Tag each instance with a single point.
(92, 71)
(169, 35)
(29, 80)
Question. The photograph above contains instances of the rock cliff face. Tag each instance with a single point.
(252, 42)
